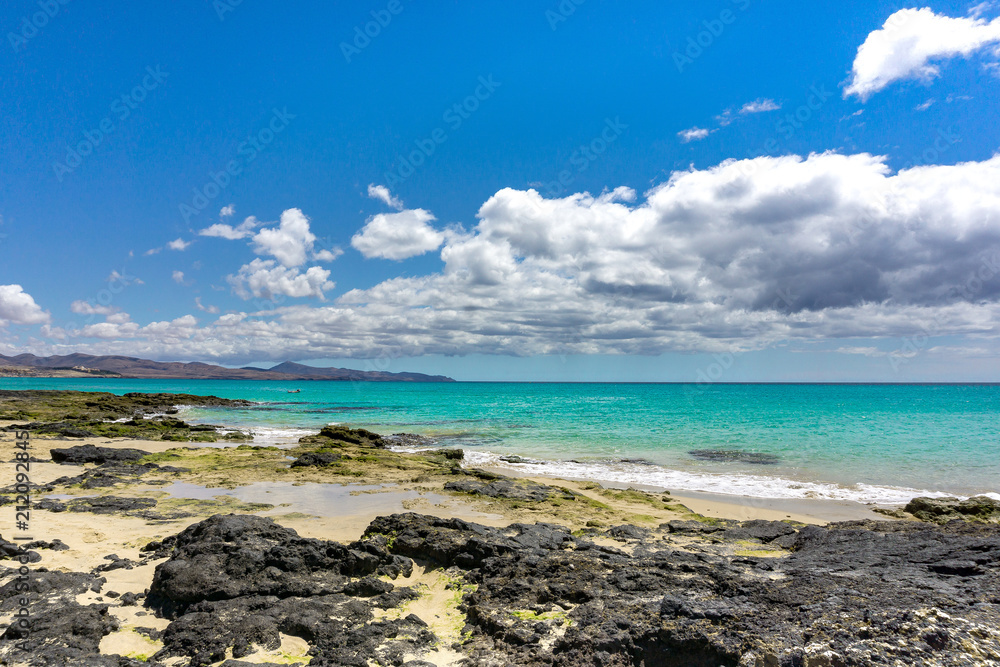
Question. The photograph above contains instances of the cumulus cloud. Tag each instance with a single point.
(81, 307)
(693, 134)
(398, 235)
(178, 277)
(910, 42)
(740, 256)
(382, 193)
(224, 231)
(179, 244)
(18, 307)
(290, 242)
(760, 106)
(227, 211)
(263, 278)
(327, 255)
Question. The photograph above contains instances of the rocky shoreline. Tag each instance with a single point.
(566, 574)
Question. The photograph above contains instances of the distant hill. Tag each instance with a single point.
(86, 365)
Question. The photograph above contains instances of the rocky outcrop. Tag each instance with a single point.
(731, 594)
(506, 487)
(234, 581)
(337, 436)
(319, 459)
(91, 454)
(848, 594)
(942, 510)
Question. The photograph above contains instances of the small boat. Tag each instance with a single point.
(294, 391)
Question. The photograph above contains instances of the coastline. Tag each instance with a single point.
(107, 517)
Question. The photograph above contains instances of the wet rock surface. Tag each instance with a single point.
(735, 455)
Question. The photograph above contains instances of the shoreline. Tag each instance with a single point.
(111, 515)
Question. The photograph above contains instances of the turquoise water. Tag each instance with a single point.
(859, 442)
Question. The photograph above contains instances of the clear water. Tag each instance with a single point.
(871, 443)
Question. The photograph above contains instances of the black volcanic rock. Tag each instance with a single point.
(855, 593)
(91, 454)
(235, 581)
(316, 459)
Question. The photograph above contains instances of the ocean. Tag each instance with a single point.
(867, 443)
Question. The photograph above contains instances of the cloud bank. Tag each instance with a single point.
(740, 256)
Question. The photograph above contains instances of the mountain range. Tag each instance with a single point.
(86, 365)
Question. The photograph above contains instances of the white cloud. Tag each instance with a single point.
(224, 231)
(327, 255)
(760, 106)
(227, 211)
(398, 235)
(924, 106)
(178, 277)
(741, 256)
(152, 251)
(863, 351)
(81, 307)
(693, 134)
(382, 193)
(18, 307)
(207, 309)
(179, 244)
(909, 41)
(290, 242)
(264, 279)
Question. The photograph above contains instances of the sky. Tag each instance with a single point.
(723, 192)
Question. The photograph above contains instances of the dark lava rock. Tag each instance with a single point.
(318, 459)
(92, 454)
(506, 487)
(111, 473)
(62, 632)
(332, 436)
(854, 593)
(942, 510)
(409, 440)
(737, 455)
(513, 458)
(626, 532)
(237, 581)
(110, 504)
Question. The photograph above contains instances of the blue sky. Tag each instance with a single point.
(497, 257)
